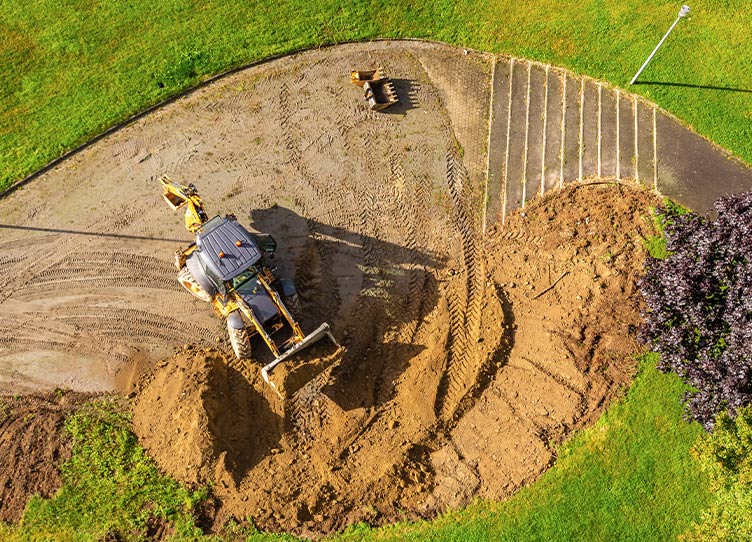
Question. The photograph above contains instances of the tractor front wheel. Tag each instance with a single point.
(241, 343)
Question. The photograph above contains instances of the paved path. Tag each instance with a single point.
(549, 127)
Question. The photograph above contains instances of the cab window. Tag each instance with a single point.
(217, 281)
(245, 276)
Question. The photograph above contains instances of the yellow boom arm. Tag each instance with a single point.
(177, 195)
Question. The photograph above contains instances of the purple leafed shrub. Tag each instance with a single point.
(698, 313)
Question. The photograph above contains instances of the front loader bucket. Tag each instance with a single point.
(310, 339)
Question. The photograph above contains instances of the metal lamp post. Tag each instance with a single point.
(682, 13)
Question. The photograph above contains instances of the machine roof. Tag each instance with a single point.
(220, 235)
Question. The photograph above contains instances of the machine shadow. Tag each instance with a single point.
(407, 94)
(374, 294)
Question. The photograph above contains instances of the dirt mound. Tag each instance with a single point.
(33, 444)
(527, 336)
(565, 268)
(202, 419)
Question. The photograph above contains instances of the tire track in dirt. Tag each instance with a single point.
(8, 262)
(105, 269)
(308, 412)
(404, 294)
(21, 344)
(26, 243)
(318, 285)
(522, 237)
(463, 365)
(285, 116)
(60, 269)
(573, 388)
(317, 255)
(362, 333)
(97, 330)
(411, 205)
(21, 274)
(124, 325)
(353, 207)
(399, 291)
(381, 287)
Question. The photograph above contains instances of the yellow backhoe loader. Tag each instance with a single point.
(227, 267)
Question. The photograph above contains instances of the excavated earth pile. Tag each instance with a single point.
(422, 418)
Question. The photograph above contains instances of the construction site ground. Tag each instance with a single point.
(471, 347)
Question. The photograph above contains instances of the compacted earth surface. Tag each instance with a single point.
(409, 418)
(468, 352)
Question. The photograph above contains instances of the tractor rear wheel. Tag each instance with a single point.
(241, 343)
(190, 283)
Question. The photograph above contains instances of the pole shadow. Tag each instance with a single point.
(88, 233)
(690, 85)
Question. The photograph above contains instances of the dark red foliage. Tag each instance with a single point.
(698, 312)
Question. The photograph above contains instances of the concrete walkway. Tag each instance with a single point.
(549, 127)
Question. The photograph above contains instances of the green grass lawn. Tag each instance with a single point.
(71, 69)
(111, 488)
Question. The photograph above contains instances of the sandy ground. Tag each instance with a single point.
(461, 369)
(361, 204)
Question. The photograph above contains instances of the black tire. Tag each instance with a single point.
(241, 343)
(189, 283)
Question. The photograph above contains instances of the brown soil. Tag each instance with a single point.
(454, 380)
(413, 428)
(33, 444)
(362, 205)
